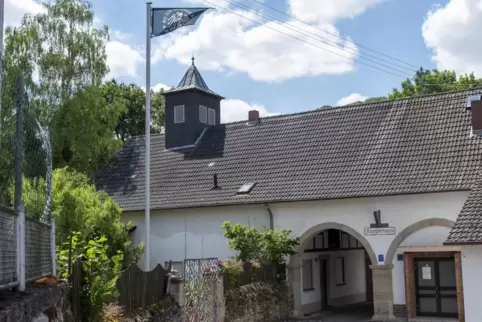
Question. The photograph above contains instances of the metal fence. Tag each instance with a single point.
(27, 243)
(8, 248)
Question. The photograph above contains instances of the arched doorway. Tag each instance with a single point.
(331, 271)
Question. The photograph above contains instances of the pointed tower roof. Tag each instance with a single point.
(193, 80)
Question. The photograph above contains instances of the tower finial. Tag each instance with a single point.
(192, 58)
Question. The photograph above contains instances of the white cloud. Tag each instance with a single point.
(157, 87)
(233, 110)
(123, 59)
(352, 98)
(453, 34)
(16, 9)
(329, 10)
(262, 53)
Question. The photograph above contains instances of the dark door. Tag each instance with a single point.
(324, 282)
(435, 287)
(368, 277)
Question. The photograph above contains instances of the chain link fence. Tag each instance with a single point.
(27, 245)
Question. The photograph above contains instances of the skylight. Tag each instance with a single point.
(246, 188)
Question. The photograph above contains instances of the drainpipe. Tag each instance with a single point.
(270, 214)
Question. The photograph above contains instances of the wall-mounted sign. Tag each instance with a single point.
(379, 231)
(381, 258)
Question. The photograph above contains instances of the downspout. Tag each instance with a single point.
(270, 214)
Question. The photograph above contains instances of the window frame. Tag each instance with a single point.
(308, 263)
(340, 279)
(205, 113)
(213, 111)
(176, 121)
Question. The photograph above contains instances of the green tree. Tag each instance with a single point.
(434, 81)
(270, 246)
(133, 99)
(78, 206)
(61, 55)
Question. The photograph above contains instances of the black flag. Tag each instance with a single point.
(166, 20)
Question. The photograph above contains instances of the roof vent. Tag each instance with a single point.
(245, 188)
(472, 98)
(215, 182)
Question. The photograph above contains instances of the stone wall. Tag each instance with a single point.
(40, 302)
(259, 302)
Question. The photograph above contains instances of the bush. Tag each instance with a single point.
(100, 272)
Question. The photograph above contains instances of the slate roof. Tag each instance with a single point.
(193, 80)
(403, 146)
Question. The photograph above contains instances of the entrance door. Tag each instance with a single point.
(324, 282)
(435, 287)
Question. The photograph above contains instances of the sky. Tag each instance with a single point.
(287, 56)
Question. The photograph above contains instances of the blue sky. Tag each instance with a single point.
(255, 67)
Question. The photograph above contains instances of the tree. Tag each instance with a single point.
(434, 81)
(268, 247)
(61, 55)
(133, 99)
(78, 206)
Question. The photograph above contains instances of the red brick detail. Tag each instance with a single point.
(400, 310)
(460, 286)
(410, 300)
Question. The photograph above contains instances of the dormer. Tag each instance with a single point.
(190, 108)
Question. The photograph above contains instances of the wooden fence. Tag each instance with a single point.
(140, 289)
(252, 274)
(136, 288)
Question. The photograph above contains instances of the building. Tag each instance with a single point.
(384, 196)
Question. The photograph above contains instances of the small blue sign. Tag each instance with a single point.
(381, 258)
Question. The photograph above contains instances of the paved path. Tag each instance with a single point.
(354, 313)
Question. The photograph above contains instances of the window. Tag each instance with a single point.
(307, 275)
(211, 116)
(203, 114)
(340, 271)
(246, 188)
(179, 114)
(176, 266)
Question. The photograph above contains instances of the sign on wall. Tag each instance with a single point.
(379, 228)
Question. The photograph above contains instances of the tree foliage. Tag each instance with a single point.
(100, 271)
(434, 81)
(78, 206)
(61, 56)
(133, 100)
(270, 246)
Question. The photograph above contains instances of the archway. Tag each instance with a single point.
(411, 229)
(331, 270)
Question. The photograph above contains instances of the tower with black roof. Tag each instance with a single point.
(191, 107)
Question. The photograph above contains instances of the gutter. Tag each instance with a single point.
(270, 214)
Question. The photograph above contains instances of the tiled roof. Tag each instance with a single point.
(392, 147)
(468, 226)
(193, 80)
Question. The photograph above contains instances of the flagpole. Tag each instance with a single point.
(148, 140)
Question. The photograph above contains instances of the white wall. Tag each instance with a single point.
(355, 280)
(193, 233)
(428, 236)
(472, 281)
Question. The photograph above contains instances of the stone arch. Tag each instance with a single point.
(411, 229)
(310, 233)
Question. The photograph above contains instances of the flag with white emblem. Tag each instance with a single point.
(166, 20)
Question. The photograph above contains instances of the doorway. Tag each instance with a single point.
(324, 282)
(435, 287)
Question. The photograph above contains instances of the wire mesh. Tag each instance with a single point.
(8, 247)
(38, 261)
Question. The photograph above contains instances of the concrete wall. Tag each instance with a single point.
(472, 282)
(353, 291)
(429, 236)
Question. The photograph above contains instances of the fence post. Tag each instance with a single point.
(19, 209)
(219, 299)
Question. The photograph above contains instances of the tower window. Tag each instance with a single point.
(203, 114)
(211, 116)
(179, 114)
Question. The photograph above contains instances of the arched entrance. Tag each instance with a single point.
(331, 270)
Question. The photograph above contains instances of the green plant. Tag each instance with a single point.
(270, 246)
(100, 272)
